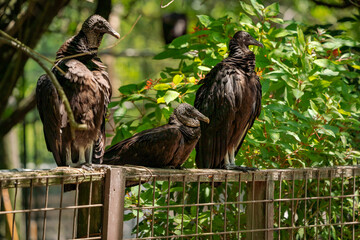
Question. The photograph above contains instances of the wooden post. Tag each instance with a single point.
(260, 215)
(114, 204)
(84, 228)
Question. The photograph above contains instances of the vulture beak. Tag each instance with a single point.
(113, 33)
(202, 117)
(206, 119)
(256, 43)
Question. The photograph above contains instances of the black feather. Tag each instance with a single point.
(230, 95)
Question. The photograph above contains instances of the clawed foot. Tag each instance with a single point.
(92, 167)
(240, 168)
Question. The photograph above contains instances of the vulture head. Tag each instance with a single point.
(189, 116)
(243, 40)
(94, 29)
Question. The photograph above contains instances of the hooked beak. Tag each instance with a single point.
(113, 33)
(256, 43)
(202, 117)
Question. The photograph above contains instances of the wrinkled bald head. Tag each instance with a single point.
(189, 116)
(95, 27)
(243, 40)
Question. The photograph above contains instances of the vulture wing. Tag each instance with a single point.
(102, 78)
(151, 148)
(255, 108)
(217, 99)
(52, 114)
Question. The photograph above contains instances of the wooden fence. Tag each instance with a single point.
(143, 203)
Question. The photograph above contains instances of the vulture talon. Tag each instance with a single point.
(95, 167)
(241, 168)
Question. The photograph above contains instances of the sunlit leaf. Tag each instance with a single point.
(205, 20)
(161, 86)
(170, 95)
(272, 10)
(177, 79)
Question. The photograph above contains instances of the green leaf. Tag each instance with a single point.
(160, 100)
(170, 95)
(128, 89)
(120, 112)
(248, 8)
(204, 68)
(245, 19)
(301, 37)
(329, 130)
(257, 6)
(326, 63)
(278, 33)
(272, 10)
(328, 72)
(342, 111)
(135, 97)
(192, 79)
(275, 136)
(172, 53)
(294, 135)
(313, 106)
(276, 20)
(177, 79)
(297, 93)
(161, 86)
(205, 20)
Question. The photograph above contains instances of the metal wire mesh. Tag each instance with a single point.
(273, 204)
(318, 203)
(34, 205)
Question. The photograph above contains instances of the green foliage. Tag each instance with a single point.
(310, 117)
(310, 108)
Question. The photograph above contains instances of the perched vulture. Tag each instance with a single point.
(87, 86)
(167, 146)
(230, 95)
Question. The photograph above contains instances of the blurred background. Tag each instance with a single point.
(45, 25)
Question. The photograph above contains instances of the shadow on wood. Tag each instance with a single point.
(89, 220)
(260, 215)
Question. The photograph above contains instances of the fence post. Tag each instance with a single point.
(114, 194)
(260, 215)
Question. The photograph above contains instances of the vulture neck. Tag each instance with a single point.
(188, 132)
(78, 44)
(242, 57)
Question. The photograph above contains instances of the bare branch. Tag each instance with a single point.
(344, 4)
(166, 5)
(22, 47)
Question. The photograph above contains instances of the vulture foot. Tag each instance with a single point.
(92, 167)
(240, 168)
(169, 167)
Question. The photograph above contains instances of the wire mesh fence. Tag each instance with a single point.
(141, 203)
(36, 205)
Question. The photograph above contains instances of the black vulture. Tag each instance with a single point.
(167, 146)
(174, 25)
(230, 95)
(87, 86)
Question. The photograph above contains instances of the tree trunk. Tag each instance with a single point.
(27, 26)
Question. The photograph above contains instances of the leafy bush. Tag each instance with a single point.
(310, 112)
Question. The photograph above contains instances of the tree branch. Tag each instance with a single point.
(23, 48)
(26, 105)
(345, 4)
